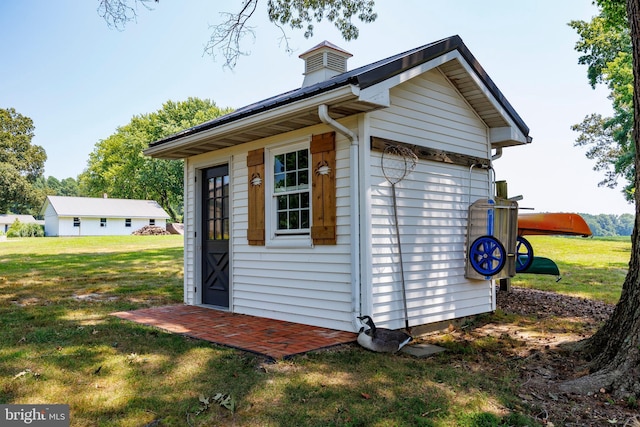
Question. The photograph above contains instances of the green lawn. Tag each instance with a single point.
(589, 268)
(58, 344)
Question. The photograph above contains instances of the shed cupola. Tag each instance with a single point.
(323, 62)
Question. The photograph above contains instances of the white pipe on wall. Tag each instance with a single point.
(323, 113)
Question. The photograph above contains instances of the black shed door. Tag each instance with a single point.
(215, 236)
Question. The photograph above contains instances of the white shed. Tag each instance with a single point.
(288, 214)
(88, 216)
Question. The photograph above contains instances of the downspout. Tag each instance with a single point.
(498, 154)
(323, 113)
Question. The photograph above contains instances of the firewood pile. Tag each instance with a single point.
(150, 230)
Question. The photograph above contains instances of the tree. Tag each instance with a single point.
(52, 186)
(227, 36)
(118, 168)
(606, 47)
(21, 163)
(614, 349)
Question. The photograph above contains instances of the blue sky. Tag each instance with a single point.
(79, 80)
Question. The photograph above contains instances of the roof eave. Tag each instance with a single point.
(217, 137)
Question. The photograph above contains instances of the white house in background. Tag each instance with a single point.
(288, 214)
(7, 219)
(86, 216)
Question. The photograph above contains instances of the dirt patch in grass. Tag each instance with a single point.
(541, 347)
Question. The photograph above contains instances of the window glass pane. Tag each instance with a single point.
(294, 220)
(218, 226)
(304, 218)
(304, 200)
(294, 201)
(225, 186)
(211, 187)
(282, 221)
(218, 187)
(303, 159)
(292, 180)
(218, 212)
(282, 203)
(278, 164)
(278, 182)
(303, 179)
(225, 228)
(291, 161)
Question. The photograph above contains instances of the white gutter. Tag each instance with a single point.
(323, 113)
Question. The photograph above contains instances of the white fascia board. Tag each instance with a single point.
(506, 136)
(338, 95)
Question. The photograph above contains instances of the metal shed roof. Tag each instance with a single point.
(105, 207)
(286, 112)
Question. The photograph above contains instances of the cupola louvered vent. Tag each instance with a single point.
(314, 63)
(336, 62)
(323, 62)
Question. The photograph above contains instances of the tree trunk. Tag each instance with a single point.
(615, 348)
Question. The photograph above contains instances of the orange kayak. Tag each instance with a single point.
(568, 224)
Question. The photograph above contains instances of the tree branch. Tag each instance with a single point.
(117, 13)
(226, 37)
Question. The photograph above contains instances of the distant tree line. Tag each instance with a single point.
(610, 225)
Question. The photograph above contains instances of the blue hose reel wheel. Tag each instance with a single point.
(524, 254)
(487, 255)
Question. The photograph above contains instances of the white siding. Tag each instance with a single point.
(432, 208)
(428, 111)
(51, 227)
(90, 226)
(306, 285)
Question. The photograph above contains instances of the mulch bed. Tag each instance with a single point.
(548, 358)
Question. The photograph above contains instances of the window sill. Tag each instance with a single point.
(290, 242)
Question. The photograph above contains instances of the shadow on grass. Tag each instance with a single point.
(58, 344)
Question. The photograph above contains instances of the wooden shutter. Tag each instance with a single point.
(323, 188)
(255, 164)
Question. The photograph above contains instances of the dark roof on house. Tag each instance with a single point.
(363, 77)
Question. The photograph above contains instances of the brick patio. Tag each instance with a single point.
(271, 338)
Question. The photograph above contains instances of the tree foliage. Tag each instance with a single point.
(605, 45)
(607, 225)
(227, 36)
(117, 167)
(21, 163)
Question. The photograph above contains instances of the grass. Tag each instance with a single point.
(58, 344)
(590, 268)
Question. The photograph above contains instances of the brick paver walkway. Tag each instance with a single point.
(272, 338)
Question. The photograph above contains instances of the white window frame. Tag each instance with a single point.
(273, 237)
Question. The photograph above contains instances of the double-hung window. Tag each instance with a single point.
(291, 192)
